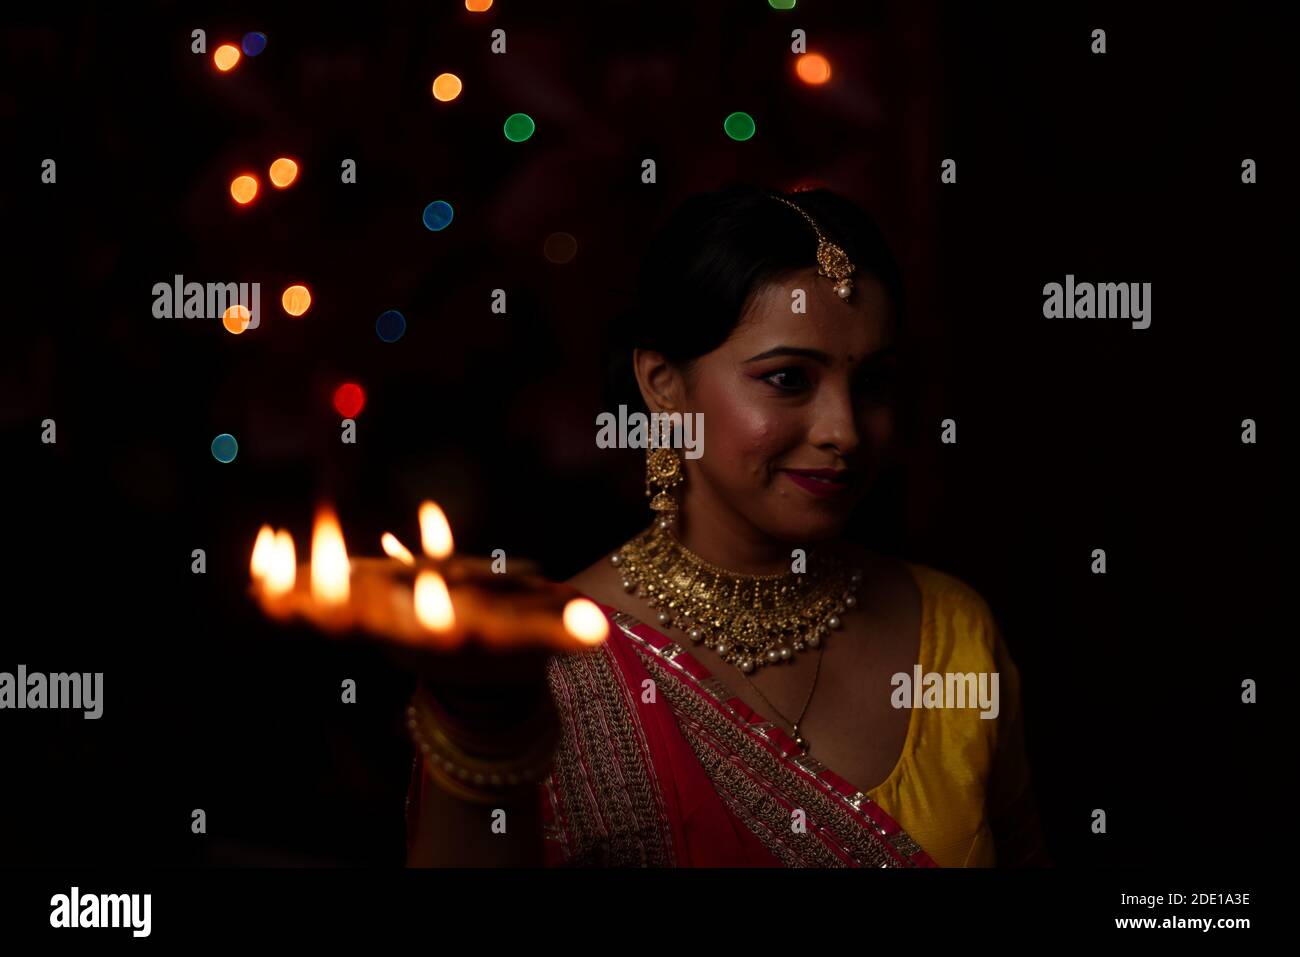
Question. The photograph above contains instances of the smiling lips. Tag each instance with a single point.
(821, 482)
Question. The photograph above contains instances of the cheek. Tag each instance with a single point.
(743, 434)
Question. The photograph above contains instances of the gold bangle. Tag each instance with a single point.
(458, 789)
(485, 753)
(482, 786)
(475, 778)
(484, 740)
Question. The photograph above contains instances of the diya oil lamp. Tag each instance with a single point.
(437, 601)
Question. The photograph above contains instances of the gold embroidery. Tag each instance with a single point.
(904, 844)
(716, 688)
(607, 802)
(725, 751)
(809, 763)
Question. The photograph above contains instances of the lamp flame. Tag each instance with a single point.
(395, 549)
(330, 569)
(584, 620)
(435, 533)
(433, 602)
(282, 565)
(262, 551)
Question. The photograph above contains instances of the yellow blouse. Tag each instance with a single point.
(961, 777)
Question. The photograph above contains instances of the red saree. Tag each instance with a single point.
(683, 773)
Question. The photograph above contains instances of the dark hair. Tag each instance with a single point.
(715, 251)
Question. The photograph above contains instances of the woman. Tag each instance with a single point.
(752, 705)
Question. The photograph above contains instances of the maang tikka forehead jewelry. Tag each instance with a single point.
(832, 261)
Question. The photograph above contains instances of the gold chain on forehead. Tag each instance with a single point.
(832, 261)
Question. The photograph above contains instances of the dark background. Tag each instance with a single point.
(1072, 435)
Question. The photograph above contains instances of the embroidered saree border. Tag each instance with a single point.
(757, 773)
(602, 803)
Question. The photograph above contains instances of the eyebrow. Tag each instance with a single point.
(815, 354)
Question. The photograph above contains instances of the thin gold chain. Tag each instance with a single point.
(793, 724)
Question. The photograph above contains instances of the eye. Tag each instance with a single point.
(787, 380)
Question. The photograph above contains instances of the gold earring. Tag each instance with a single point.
(663, 469)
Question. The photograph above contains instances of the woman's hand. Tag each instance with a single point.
(506, 627)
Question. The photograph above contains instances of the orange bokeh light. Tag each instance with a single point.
(296, 300)
(243, 189)
(236, 318)
(446, 87)
(283, 172)
(478, 6)
(225, 57)
(813, 68)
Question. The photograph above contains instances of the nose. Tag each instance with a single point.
(835, 421)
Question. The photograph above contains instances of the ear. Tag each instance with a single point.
(661, 383)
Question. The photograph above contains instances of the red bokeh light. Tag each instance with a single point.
(349, 400)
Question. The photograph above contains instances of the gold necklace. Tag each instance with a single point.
(747, 620)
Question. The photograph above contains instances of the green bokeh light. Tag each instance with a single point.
(739, 126)
(519, 127)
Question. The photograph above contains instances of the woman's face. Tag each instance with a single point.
(797, 409)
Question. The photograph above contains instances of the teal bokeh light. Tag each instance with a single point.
(225, 448)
